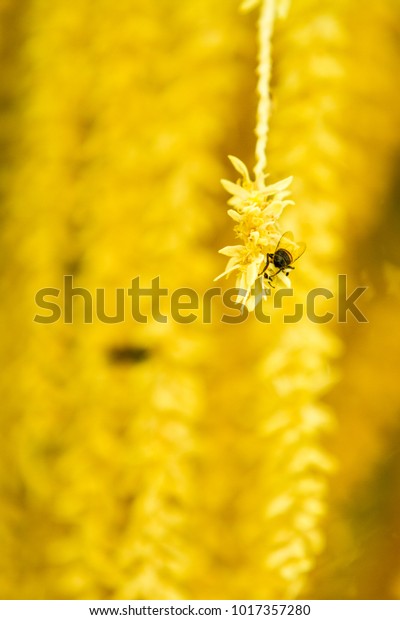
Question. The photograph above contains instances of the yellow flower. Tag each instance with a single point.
(257, 207)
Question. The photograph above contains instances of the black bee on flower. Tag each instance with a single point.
(286, 253)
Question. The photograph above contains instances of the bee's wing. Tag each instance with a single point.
(299, 251)
(287, 242)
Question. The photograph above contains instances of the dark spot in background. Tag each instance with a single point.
(73, 267)
(128, 354)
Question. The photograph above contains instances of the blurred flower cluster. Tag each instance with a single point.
(171, 461)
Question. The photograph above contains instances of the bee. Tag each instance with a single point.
(286, 252)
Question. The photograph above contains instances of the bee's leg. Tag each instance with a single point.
(270, 258)
(288, 267)
(276, 273)
(265, 267)
(269, 278)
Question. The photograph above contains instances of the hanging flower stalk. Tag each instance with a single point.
(256, 205)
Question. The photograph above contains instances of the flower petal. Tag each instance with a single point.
(234, 215)
(274, 209)
(250, 303)
(239, 166)
(254, 236)
(233, 262)
(279, 186)
(252, 274)
(231, 250)
(285, 280)
(241, 285)
(226, 272)
(236, 190)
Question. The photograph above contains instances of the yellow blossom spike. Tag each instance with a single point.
(256, 214)
(258, 206)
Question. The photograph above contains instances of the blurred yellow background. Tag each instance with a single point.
(174, 461)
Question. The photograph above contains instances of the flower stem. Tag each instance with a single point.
(265, 30)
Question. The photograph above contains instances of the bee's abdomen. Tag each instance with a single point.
(282, 258)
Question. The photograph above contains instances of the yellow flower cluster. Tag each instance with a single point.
(255, 213)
